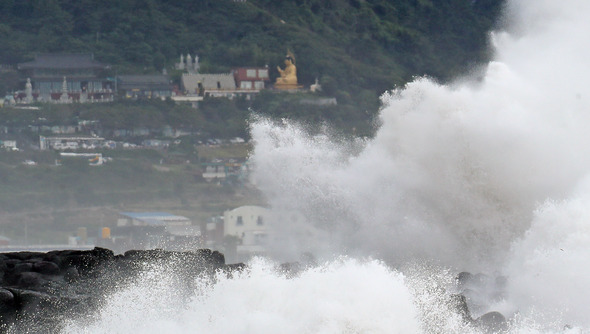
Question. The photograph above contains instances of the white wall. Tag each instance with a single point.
(244, 221)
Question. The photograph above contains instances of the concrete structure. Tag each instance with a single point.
(213, 85)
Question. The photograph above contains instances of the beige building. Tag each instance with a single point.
(213, 85)
(247, 223)
(257, 230)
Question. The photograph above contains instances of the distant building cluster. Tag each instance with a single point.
(239, 233)
(65, 78)
(80, 78)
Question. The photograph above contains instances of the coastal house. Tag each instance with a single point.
(249, 225)
(144, 230)
(252, 230)
(67, 77)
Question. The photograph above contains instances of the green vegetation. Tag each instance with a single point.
(357, 49)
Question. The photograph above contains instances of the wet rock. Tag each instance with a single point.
(46, 268)
(10, 263)
(71, 274)
(464, 278)
(30, 302)
(38, 288)
(459, 302)
(24, 256)
(290, 269)
(31, 280)
(7, 309)
(492, 322)
(22, 267)
(6, 297)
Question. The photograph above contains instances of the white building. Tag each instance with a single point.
(9, 145)
(249, 224)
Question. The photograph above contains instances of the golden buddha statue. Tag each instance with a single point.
(288, 78)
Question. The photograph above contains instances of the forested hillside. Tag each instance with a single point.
(357, 49)
(356, 46)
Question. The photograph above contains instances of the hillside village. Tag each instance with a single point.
(80, 78)
(68, 78)
(113, 132)
(64, 79)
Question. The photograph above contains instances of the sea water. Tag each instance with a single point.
(489, 173)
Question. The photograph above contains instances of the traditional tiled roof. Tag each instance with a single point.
(63, 61)
(144, 81)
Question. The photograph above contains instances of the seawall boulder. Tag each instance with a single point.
(37, 289)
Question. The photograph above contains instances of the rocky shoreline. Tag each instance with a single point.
(40, 290)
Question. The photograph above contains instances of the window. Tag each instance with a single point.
(246, 85)
(251, 73)
(239, 221)
(259, 84)
(259, 221)
(263, 73)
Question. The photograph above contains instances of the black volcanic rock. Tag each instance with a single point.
(42, 288)
(475, 292)
(492, 322)
(46, 267)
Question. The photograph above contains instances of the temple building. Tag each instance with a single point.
(251, 78)
(144, 86)
(79, 75)
(212, 85)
